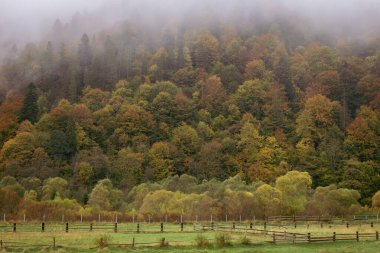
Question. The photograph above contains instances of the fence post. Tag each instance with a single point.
(212, 225)
(99, 218)
(43, 226)
(81, 218)
(162, 227)
(295, 225)
(294, 238)
(308, 237)
(54, 243)
(181, 226)
(4, 218)
(377, 235)
(347, 225)
(1, 244)
(240, 218)
(133, 242)
(14, 227)
(274, 237)
(334, 236)
(115, 227)
(67, 227)
(90, 226)
(357, 236)
(250, 225)
(265, 226)
(371, 224)
(233, 225)
(321, 225)
(138, 228)
(149, 218)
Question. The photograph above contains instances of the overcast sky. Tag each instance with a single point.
(29, 19)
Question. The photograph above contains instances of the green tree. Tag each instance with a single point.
(29, 109)
(294, 187)
(333, 201)
(55, 187)
(104, 197)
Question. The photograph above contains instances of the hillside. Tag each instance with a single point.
(211, 97)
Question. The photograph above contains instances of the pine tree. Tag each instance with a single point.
(29, 109)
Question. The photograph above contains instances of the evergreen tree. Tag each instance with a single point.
(29, 109)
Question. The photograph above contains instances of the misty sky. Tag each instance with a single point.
(22, 20)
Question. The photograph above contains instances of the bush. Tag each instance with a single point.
(222, 240)
(102, 242)
(245, 241)
(201, 241)
(163, 243)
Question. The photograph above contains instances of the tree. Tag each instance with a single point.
(186, 139)
(29, 109)
(332, 201)
(85, 173)
(205, 52)
(250, 97)
(209, 164)
(250, 143)
(294, 187)
(255, 70)
(163, 159)
(127, 170)
(363, 135)
(104, 197)
(85, 57)
(55, 187)
(213, 94)
(268, 200)
(376, 200)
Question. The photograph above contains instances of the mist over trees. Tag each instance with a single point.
(117, 98)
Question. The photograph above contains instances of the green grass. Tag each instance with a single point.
(85, 241)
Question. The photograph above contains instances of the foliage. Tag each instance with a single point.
(201, 241)
(102, 241)
(112, 120)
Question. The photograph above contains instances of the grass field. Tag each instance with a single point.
(84, 241)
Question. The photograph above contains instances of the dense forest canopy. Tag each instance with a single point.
(233, 97)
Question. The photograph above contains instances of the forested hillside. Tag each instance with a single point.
(208, 97)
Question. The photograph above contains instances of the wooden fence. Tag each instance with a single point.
(284, 236)
(54, 244)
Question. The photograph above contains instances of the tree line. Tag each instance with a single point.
(183, 195)
(130, 107)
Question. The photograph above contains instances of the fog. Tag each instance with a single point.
(31, 20)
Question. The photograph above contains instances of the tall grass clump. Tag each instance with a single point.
(201, 241)
(102, 242)
(222, 240)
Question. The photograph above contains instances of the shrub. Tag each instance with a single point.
(201, 241)
(222, 240)
(163, 243)
(245, 240)
(102, 242)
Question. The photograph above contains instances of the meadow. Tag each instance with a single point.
(103, 238)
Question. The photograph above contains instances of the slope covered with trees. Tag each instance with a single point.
(133, 104)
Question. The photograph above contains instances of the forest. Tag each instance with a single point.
(205, 114)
